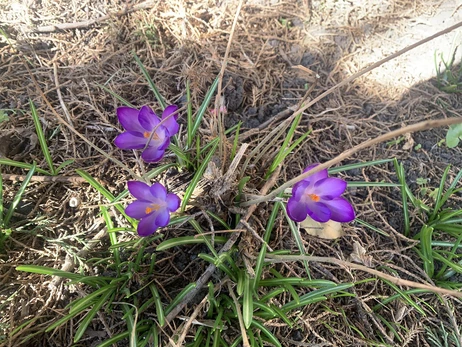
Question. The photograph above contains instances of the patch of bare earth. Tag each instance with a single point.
(282, 53)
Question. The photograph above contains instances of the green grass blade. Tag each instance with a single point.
(451, 190)
(43, 270)
(438, 201)
(90, 315)
(271, 338)
(118, 97)
(402, 179)
(119, 337)
(203, 108)
(106, 193)
(405, 297)
(377, 230)
(247, 301)
(200, 232)
(274, 293)
(181, 155)
(426, 237)
(448, 262)
(9, 162)
(64, 164)
(179, 297)
(282, 315)
(158, 303)
(151, 83)
(372, 184)
(188, 240)
(315, 296)
(198, 175)
(219, 220)
(298, 240)
(283, 150)
(266, 237)
(295, 281)
(112, 236)
(354, 166)
(398, 296)
(18, 196)
(41, 138)
(82, 303)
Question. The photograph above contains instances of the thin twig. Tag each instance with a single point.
(85, 24)
(372, 67)
(273, 258)
(60, 97)
(245, 339)
(368, 143)
(189, 322)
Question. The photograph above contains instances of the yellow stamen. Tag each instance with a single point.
(151, 208)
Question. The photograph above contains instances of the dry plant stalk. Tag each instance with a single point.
(398, 281)
(368, 143)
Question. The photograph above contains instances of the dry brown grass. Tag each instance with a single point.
(186, 41)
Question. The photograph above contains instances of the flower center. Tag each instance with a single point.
(147, 135)
(151, 208)
(314, 197)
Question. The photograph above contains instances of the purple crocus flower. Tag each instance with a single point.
(318, 196)
(153, 206)
(139, 126)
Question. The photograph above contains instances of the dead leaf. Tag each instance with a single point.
(359, 255)
(409, 142)
(330, 230)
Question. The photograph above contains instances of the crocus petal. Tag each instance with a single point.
(152, 154)
(158, 190)
(147, 225)
(173, 202)
(129, 141)
(299, 189)
(148, 119)
(318, 211)
(318, 175)
(162, 218)
(165, 144)
(140, 190)
(137, 209)
(329, 188)
(341, 210)
(128, 117)
(170, 120)
(296, 210)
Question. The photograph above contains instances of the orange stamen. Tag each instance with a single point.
(147, 135)
(314, 197)
(151, 208)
